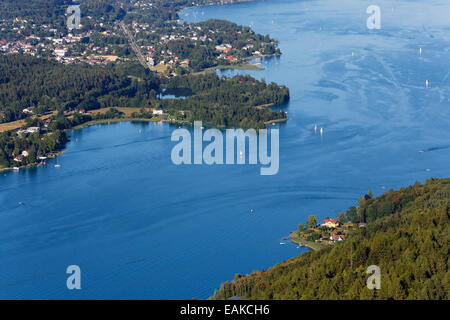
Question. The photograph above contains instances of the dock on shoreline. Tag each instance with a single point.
(295, 238)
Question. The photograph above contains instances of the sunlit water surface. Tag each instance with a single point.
(141, 227)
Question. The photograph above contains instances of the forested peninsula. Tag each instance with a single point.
(405, 233)
(129, 60)
(71, 95)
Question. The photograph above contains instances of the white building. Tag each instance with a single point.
(60, 52)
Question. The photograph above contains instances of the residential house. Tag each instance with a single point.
(158, 111)
(330, 223)
(337, 237)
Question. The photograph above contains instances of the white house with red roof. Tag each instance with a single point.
(330, 223)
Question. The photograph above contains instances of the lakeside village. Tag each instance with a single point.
(150, 34)
(316, 236)
(42, 136)
(171, 49)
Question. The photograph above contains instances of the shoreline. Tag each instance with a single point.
(241, 66)
(246, 65)
(295, 238)
(212, 4)
(114, 120)
(117, 120)
(32, 165)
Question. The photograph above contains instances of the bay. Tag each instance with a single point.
(141, 227)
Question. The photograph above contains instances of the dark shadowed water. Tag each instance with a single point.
(140, 227)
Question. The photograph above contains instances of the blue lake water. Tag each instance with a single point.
(141, 227)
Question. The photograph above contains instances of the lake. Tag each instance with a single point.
(141, 227)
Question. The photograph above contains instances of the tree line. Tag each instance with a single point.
(408, 239)
(44, 85)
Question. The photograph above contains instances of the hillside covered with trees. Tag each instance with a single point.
(407, 236)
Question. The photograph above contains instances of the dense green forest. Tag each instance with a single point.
(407, 237)
(228, 102)
(26, 81)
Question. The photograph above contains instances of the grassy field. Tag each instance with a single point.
(242, 66)
(19, 123)
(109, 58)
(160, 68)
(127, 111)
(310, 244)
(94, 122)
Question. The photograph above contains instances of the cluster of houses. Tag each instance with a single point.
(157, 54)
(21, 157)
(334, 233)
(334, 230)
(68, 48)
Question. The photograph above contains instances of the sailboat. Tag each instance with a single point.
(420, 50)
(315, 129)
(321, 131)
(426, 83)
